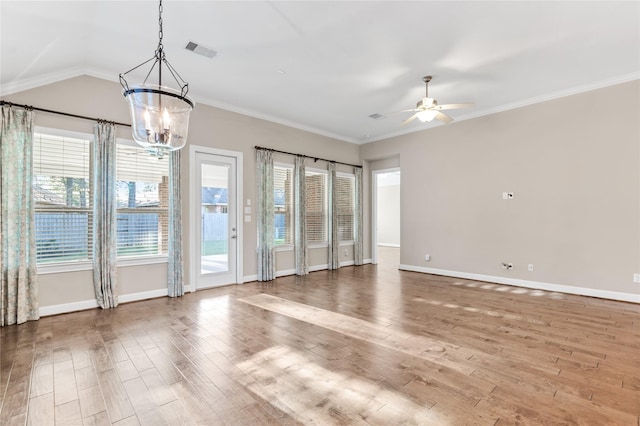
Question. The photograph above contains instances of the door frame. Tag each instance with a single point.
(374, 209)
(194, 211)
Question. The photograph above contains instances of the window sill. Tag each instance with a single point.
(143, 260)
(317, 245)
(88, 265)
(57, 268)
(284, 247)
(346, 243)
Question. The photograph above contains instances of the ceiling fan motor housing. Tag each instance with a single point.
(425, 103)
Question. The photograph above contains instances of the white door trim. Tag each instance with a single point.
(193, 149)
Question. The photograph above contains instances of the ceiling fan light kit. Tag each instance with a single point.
(159, 114)
(428, 108)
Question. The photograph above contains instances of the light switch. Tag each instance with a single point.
(247, 210)
(247, 218)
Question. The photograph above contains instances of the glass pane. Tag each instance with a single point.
(215, 219)
(62, 198)
(283, 203)
(142, 197)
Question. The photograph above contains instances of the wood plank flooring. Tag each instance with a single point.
(364, 345)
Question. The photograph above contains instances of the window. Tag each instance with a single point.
(345, 205)
(316, 206)
(62, 198)
(283, 201)
(62, 192)
(142, 197)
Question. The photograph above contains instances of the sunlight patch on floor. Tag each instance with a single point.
(480, 311)
(433, 350)
(312, 394)
(510, 289)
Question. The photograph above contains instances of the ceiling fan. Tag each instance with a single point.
(428, 108)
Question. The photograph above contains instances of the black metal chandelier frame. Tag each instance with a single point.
(159, 59)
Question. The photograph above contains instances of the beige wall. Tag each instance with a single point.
(209, 127)
(573, 165)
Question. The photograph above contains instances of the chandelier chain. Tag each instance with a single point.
(160, 32)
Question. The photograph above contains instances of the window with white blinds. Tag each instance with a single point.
(142, 197)
(316, 206)
(62, 191)
(62, 198)
(345, 205)
(283, 201)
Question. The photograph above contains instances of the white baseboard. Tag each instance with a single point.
(285, 272)
(318, 267)
(83, 305)
(389, 245)
(250, 278)
(347, 263)
(64, 308)
(134, 297)
(366, 261)
(581, 291)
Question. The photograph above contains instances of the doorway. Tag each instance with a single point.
(215, 231)
(386, 217)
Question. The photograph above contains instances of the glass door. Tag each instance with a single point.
(217, 228)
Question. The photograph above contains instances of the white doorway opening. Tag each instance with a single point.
(386, 210)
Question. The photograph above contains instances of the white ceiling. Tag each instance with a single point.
(326, 66)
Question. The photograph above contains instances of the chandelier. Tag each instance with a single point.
(159, 114)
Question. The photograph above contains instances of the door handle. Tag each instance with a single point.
(233, 236)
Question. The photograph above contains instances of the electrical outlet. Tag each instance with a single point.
(530, 268)
(507, 195)
(427, 257)
(636, 278)
(346, 252)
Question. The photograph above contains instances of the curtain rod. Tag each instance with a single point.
(66, 114)
(306, 156)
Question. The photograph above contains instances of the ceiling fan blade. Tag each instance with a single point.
(398, 112)
(443, 117)
(455, 106)
(410, 119)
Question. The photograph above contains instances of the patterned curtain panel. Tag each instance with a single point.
(266, 216)
(357, 224)
(174, 268)
(333, 261)
(18, 285)
(300, 220)
(104, 216)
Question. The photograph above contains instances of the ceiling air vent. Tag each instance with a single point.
(377, 116)
(201, 50)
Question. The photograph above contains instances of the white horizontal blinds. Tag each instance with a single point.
(137, 165)
(283, 203)
(316, 206)
(142, 197)
(62, 198)
(345, 204)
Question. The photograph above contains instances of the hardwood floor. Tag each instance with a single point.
(361, 345)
